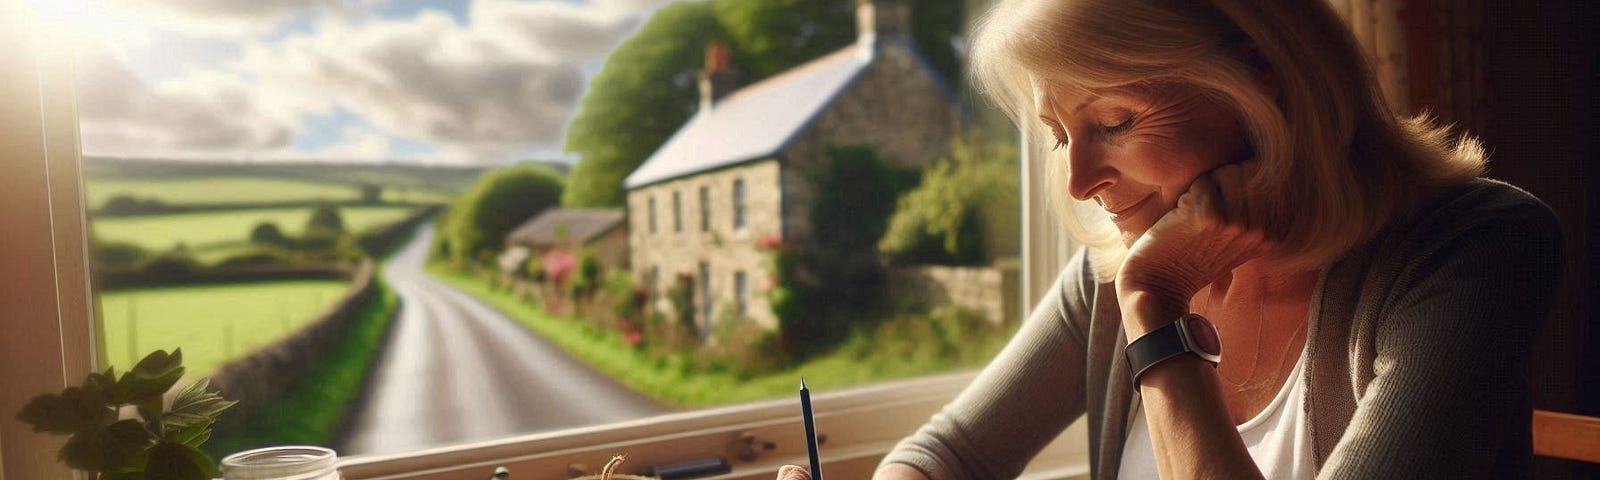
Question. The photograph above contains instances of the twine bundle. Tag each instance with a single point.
(610, 472)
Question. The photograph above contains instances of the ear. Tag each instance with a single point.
(1265, 78)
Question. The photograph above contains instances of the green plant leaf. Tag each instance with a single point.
(110, 448)
(150, 410)
(105, 383)
(139, 475)
(74, 410)
(193, 435)
(176, 461)
(194, 406)
(151, 377)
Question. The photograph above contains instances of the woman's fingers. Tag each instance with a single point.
(793, 472)
(1233, 199)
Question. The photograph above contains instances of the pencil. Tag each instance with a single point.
(811, 430)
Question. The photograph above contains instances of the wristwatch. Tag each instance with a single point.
(1190, 333)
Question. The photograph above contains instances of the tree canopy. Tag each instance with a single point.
(478, 222)
(648, 87)
(966, 210)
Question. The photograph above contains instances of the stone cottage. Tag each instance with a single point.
(731, 175)
(601, 230)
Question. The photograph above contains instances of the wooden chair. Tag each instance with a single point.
(1564, 435)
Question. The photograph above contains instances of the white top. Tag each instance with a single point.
(1279, 438)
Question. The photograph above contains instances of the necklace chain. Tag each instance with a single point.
(1250, 382)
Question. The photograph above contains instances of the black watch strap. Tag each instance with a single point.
(1166, 342)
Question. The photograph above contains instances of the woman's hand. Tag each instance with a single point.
(1212, 231)
(793, 472)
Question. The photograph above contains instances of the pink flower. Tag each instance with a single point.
(558, 264)
(633, 338)
(771, 242)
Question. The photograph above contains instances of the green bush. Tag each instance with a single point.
(478, 222)
(172, 264)
(118, 256)
(325, 222)
(837, 274)
(268, 233)
(966, 211)
(261, 255)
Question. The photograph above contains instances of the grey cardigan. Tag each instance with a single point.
(1416, 366)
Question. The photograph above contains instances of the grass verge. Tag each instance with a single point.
(898, 348)
(311, 412)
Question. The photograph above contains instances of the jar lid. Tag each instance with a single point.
(279, 463)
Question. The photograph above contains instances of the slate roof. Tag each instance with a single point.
(754, 122)
(582, 224)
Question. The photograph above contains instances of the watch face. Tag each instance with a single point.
(1204, 334)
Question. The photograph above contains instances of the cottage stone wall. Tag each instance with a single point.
(895, 107)
(723, 248)
(992, 291)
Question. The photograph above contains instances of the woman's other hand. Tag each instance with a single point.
(1212, 231)
(793, 472)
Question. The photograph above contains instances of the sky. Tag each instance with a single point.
(435, 81)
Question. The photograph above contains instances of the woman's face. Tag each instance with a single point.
(1134, 151)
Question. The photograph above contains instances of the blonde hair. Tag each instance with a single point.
(1337, 164)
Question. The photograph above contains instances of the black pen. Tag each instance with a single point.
(811, 430)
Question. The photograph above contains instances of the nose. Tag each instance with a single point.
(1087, 170)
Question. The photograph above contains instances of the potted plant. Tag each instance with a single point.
(121, 428)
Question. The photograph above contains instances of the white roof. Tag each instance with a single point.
(754, 122)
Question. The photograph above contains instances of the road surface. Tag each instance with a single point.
(456, 370)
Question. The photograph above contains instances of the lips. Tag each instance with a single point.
(1125, 212)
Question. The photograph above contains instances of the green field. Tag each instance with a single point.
(212, 323)
(212, 235)
(243, 189)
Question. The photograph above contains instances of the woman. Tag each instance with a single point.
(1375, 298)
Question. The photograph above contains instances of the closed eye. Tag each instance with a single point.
(1120, 127)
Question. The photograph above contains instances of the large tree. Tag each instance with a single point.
(648, 86)
(645, 91)
(477, 223)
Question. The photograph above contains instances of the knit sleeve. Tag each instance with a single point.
(1021, 401)
(1449, 390)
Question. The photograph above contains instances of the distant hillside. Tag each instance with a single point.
(447, 177)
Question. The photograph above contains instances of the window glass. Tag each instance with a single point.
(738, 204)
(303, 198)
(705, 209)
(677, 212)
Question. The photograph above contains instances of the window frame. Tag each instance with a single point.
(42, 209)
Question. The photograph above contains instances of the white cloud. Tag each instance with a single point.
(507, 81)
(121, 115)
(224, 18)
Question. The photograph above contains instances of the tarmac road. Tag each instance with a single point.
(456, 370)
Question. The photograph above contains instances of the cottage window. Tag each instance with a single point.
(652, 215)
(705, 209)
(740, 292)
(677, 212)
(705, 300)
(738, 204)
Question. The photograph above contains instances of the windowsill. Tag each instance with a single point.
(861, 425)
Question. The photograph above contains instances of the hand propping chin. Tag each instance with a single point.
(1210, 232)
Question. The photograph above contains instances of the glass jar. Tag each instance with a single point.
(281, 463)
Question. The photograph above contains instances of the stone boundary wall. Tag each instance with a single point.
(269, 372)
(991, 291)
